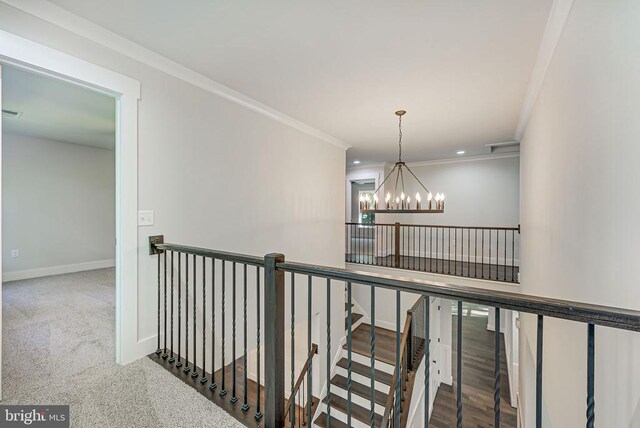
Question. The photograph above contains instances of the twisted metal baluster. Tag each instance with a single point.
(186, 368)
(158, 350)
(459, 380)
(496, 370)
(591, 404)
(245, 405)
(258, 414)
(328, 419)
(179, 363)
(309, 397)
(223, 390)
(373, 356)
(194, 374)
(165, 355)
(204, 379)
(234, 397)
(349, 338)
(172, 359)
(213, 385)
(292, 413)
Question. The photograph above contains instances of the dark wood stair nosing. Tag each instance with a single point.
(362, 370)
(357, 412)
(359, 389)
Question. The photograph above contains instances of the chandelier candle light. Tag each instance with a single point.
(401, 204)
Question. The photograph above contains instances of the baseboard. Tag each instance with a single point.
(56, 270)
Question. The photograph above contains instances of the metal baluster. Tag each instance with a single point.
(213, 385)
(449, 250)
(245, 405)
(513, 255)
(459, 380)
(186, 368)
(427, 358)
(482, 256)
(398, 372)
(179, 363)
(469, 252)
(171, 359)
(234, 397)
(591, 405)
(328, 421)
(223, 390)
(204, 379)
(165, 355)
(349, 325)
(158, 350)
(373, 356)
(293, 353)
(455, 251)
(194, 374)
(539, 373)
(497, 253)
(309, 375)
(430, 248)
(505, 254)
(496, 370)
(475, 256)
(258, 414)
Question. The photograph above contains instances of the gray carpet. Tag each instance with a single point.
(59, 349)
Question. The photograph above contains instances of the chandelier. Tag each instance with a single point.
(401, 203)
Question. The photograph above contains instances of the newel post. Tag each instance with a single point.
(274, 341)
(396, 244)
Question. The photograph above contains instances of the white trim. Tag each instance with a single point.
(64, 19)
(38, 58)
(366, 166)
(57, 270)
(555, 25)
(464, 159)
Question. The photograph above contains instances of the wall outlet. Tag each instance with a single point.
(145, 218)
(15, 253)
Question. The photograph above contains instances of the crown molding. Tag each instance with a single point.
(366, 166)
(558, 15)
(66, 20)
(465, 159)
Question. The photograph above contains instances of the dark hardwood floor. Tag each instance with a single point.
(493, 271)
(234, 409)
(477, 380)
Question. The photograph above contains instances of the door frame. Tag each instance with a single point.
(28, 55)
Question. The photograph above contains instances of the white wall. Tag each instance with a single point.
(217, 174)
(58, 206)
(580, 211)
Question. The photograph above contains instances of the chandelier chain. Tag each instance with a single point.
(400, 138)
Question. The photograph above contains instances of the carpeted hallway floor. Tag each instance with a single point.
(59, 349)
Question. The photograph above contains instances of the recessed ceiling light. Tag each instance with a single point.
(460, 152)
(356, 162)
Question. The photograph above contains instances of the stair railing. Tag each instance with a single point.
(299, 415)
(481, 252)
(204, 337)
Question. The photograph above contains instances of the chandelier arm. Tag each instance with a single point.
(417, 179)
(386, 178)
(402, 179)
(395, 190)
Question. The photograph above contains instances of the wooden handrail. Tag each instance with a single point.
(313, 351)
(392, 391)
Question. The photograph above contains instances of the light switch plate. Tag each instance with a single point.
(145, 218)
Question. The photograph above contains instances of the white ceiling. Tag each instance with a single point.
(460, 68)
(57, 110)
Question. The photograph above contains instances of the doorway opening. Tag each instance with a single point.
(59, 228)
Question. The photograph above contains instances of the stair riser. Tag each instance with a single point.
(363, 380)
(354, 325)
(363, 359)
(356, 399)
(343, 418)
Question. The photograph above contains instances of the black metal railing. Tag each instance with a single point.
(198, 272)
(470, 251)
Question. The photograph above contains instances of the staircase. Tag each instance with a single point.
(360, 378)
